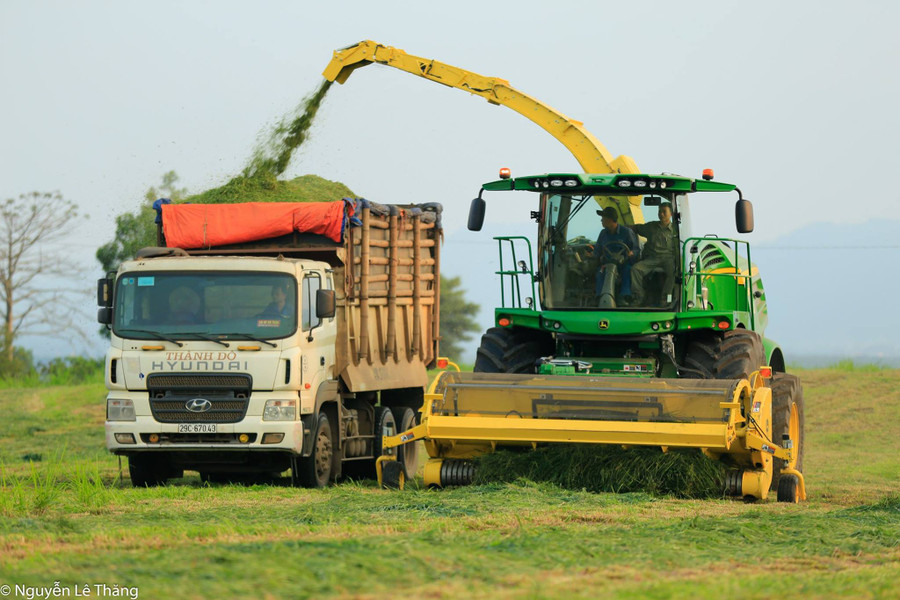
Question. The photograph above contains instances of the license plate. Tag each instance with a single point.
(197, 428)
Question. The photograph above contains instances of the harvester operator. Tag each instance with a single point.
(615, 240)
(660, 254)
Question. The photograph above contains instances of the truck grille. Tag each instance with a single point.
(229, 396)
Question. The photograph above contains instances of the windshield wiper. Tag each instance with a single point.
(158, 336)
(204, 337)
(247, 336)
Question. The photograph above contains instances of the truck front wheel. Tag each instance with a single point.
(148, 470)
(314, 471)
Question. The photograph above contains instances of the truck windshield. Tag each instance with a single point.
(199, 305)
(574, 259)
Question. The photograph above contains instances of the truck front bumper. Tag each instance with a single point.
(252, 433)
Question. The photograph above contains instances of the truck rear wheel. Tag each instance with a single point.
(787, 392)
(407, 454)
(148, 470)
(385, 424)
(314, 471)
(505, 350)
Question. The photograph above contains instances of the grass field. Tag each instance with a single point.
(65, 516)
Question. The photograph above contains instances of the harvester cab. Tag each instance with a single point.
(644, 334)
(574, 255)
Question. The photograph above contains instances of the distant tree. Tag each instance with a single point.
(21, 366)
(136, 230)
(457, 317)
(30, 228)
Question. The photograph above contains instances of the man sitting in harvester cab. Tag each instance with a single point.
(660, 254)
(615, 240)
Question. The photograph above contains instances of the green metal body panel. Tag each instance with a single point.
(617, 367)
(619, 322)
(588, 183)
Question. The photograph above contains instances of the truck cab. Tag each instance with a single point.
(226, 352)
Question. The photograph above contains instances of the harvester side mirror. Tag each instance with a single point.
(476, 214)
(743, 216)
(104, 292)
(324, 304)
(104, 315)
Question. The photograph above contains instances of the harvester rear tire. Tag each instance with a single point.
(510, 350)
(786, 390)
(734, 355)
(407, 454)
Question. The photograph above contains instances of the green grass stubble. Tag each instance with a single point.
(509, 540)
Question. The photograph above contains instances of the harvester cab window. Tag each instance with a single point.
(584, 240)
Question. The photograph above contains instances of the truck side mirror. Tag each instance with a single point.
(104, 293)
(104, 315)
(476, 214)
(324, 304)
(743, 216)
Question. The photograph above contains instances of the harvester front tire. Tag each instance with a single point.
(788, 489)
(734, 355)
(786, 390)
(392, 475)
(407, 454)
(510, 350)
(314, 471)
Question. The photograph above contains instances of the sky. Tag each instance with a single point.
(794, 102)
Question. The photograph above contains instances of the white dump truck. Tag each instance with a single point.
(265, 337)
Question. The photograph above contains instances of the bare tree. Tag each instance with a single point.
(34, 269)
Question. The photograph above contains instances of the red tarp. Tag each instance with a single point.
(205, 225)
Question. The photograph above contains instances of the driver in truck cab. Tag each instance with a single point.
(614, 240)
(279, 307)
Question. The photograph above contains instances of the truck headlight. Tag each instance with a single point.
(280, 410)
(119, 410)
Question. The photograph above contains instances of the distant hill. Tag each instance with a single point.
(832, 290)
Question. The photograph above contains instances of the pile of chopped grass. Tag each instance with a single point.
(308, 188)
(682, 473)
